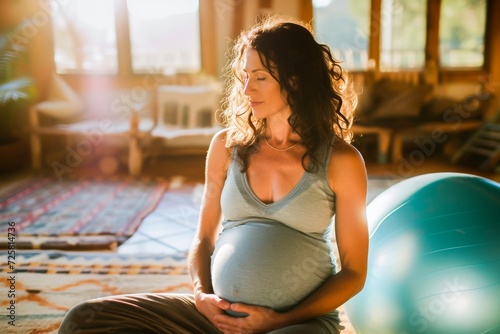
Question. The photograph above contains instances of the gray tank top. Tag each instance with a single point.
(274, 255)
(308, 208)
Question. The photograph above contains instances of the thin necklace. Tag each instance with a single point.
(281, 149)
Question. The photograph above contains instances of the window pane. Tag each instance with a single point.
(164, 35)
(461, 33)
(403, 27)
(84, 36)
(344, 26)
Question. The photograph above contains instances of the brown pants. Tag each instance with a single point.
(160, 313)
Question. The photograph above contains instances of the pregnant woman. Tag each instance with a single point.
(279, 179)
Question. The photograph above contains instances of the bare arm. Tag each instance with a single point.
(203, 243)
(348, 179)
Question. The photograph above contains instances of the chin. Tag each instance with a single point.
(257, 115)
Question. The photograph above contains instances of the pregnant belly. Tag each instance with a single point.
(268, 264)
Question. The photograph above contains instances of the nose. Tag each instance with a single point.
(248, 87)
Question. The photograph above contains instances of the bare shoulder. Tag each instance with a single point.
(345, 155)
(218, 144)
(219, 138)
(219, 156)
(346, 164)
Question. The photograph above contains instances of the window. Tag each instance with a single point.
(403, 31)
(461, 33)
(164, 35)
(84, 36)
(344, 26)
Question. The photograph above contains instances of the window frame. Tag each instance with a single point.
(485, 39)
(339, 51)
(422, 52)
(124, 52)
(432, 42)
(208, 37)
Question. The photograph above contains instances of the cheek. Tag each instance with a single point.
(276, 94)
(283, 97)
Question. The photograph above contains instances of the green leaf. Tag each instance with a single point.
(20, 89)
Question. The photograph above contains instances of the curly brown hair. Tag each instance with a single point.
(318, 90)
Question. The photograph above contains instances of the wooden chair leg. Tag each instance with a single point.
(35, 140)
(384, 142)
(397, 147)
(134, 157)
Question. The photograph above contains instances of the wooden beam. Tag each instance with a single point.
(267, 4)
(306, 11)
(374, 41)
(492, 44)
(238, 19)
(123, 39)
(432, 35)
(41, 63)
(208, 38)
(264, 9)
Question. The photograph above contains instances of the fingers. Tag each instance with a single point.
(227, 324)
(256, 314)
(220, 303)
(242, 308)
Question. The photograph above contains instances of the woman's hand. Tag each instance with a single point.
(259, 320)
(211, 305)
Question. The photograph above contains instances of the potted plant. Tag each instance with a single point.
(17, 92)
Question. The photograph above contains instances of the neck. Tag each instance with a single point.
(281, 140)
(280, 132)
(281, 149)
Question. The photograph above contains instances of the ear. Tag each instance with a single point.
(294, 82)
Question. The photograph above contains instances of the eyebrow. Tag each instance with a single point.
(256, 70)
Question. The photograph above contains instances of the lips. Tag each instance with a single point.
(254, 104)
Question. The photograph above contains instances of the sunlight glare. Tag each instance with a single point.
(399, 255)
(321, 3)
(155, 9)
(96, 12)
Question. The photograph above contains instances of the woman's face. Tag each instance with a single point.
(262, 90)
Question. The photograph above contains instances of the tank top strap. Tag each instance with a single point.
(235, 160)
(324, 158)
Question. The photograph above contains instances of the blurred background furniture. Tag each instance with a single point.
(409, 107)
(483, 146)
(186, 118)
(445, 119)
(61, 116)
(388, 101)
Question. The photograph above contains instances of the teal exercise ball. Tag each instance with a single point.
(434, 259)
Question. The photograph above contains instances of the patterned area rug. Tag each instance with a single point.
(47, 284)
(76, 213)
